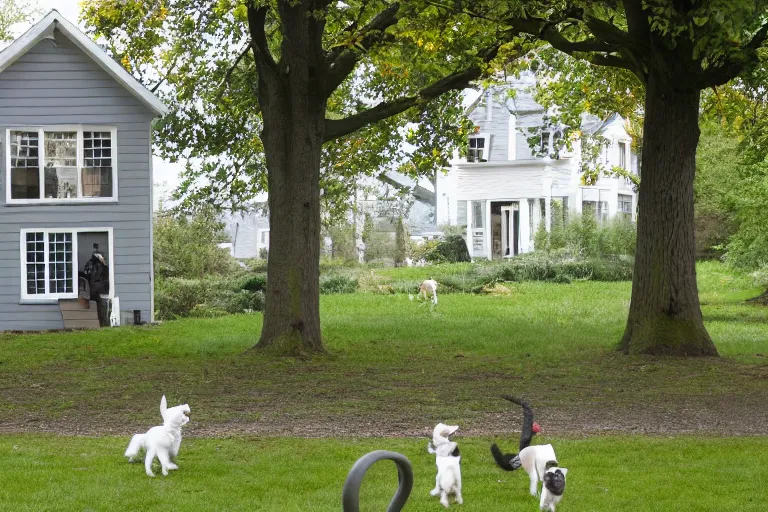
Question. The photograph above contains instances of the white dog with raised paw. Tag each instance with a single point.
(448, 460)
(162, 441)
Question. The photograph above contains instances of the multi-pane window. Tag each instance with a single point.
(61, 164)
(545, 142)
(597, 208)
(625, 205)
(35, 263)
(477, 214)
(477, 150)
(97, 164)
(25, 165)
(49, 263)
(60, 275)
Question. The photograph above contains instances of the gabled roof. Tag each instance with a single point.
(44, 29)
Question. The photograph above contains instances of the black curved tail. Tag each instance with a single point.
(527, 433)
(511, 461)
(506, 461)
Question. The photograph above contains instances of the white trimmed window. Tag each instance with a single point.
(50, 262)
(625, 205)
(61, 164)
(50, 271)
(478, 149)
(623, 155)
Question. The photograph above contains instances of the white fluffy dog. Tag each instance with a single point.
(162, 441)
(448, 460)
(429, 288)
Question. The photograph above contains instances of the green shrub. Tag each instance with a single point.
(451, 250)
(177, 297)
(186, 246)
(256, 283)
(338, 284)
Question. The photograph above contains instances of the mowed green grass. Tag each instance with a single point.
(278, 474)
(554, 343)
(395, 367)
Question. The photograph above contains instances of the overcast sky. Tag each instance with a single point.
(166, 175)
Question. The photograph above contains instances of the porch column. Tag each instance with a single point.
(547, 182)
(488, 231)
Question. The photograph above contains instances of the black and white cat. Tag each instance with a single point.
(538, 461)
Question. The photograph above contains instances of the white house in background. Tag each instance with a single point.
(502, 191)
(248, 233)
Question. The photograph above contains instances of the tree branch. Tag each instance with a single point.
(459, 80)
(735, 63)
(637, 20)
(257, 18)
(342, 60)
(232, 68)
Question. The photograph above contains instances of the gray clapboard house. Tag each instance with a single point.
(76, 180)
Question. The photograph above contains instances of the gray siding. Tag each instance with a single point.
(53, 85)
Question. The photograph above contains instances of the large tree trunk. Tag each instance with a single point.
(293, 112)
(665, 315)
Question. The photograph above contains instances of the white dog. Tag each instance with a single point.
(448, 460)
(427, 288)
(536, 460)
(553, 489)
(162, 441)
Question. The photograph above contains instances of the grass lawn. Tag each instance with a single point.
(397, 368)
(271, 474)
(281, 434)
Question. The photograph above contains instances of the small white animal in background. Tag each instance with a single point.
(408, 262)
(429, 287)
(162, 441)
(421, 262)
(553, 489)
(448, 461)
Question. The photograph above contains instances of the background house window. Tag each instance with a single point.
(477, 150)
(623, 155)
(597, 208)
(477, 214)
(545, 142)
(25, 165)
(53, 253)
(97, 164)
(625, 205)
(531, 219)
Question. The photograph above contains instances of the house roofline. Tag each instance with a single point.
(44, 30)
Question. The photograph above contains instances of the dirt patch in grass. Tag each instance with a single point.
(604, 393)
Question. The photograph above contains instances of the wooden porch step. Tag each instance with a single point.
(79, 314)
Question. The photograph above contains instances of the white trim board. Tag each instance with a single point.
(47, 298)
(44, 30)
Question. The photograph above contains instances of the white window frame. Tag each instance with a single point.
(41, 163)
(621, 203)
(486, 147)
(623, 154)
(27, 298)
